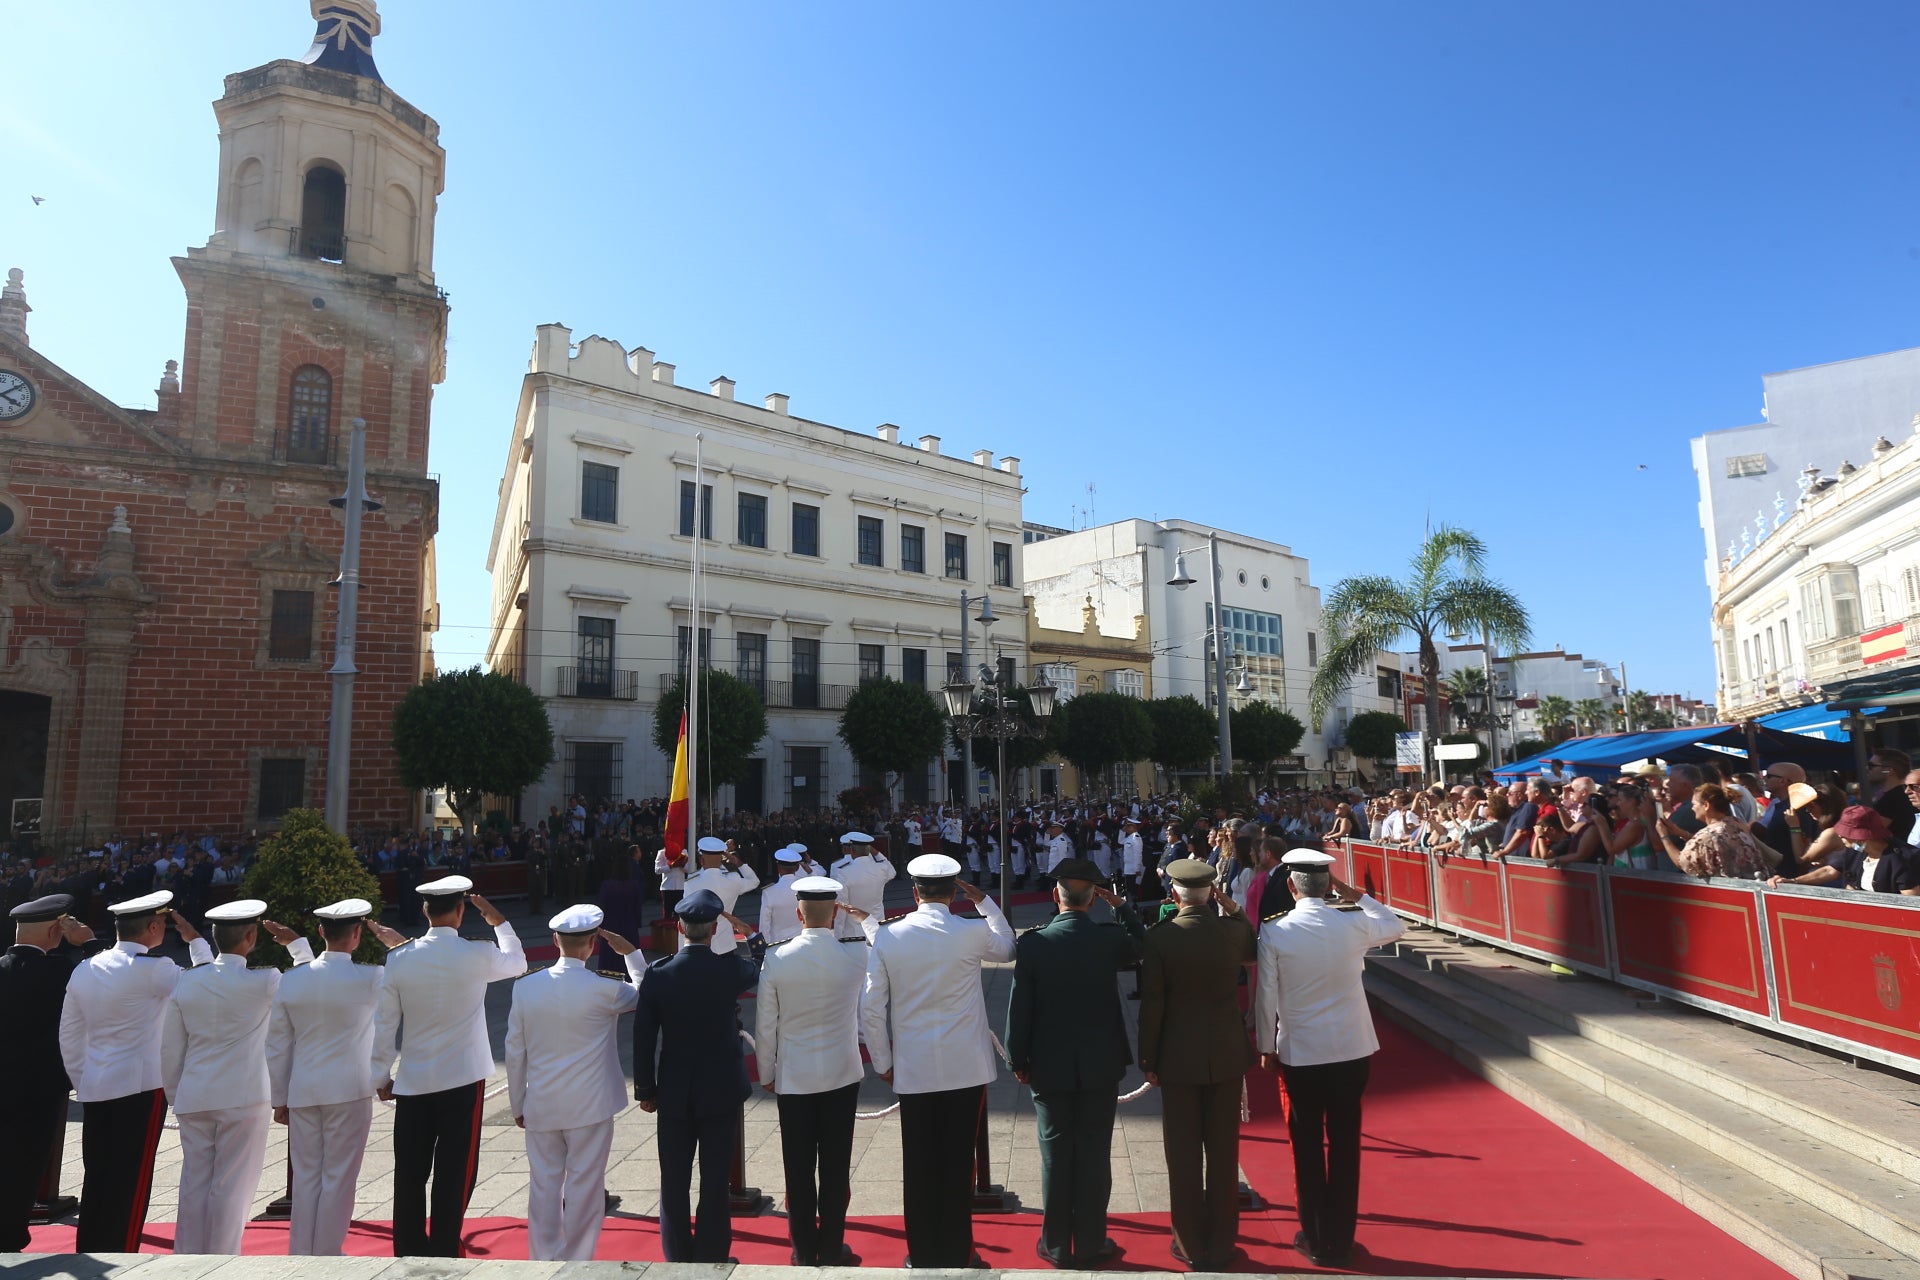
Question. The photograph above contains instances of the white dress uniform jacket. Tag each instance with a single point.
(924, 971)
(731, 886)
(671, 877)
(563, 1053)
(320, 1033)
(110, 1025)
(433, 1011)
(1059, 849)
(779, 920)
(1310, 1007)
(807, 1014)
(1133, 855)
(863, 878)
(213, 1047)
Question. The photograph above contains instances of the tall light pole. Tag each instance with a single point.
(1180, 581)
(991, 708)
(356, 504)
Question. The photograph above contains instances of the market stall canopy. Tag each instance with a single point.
(1726, 744)
(1815, 722)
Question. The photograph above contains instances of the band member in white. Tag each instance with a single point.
(565, 1082)
(319, 1044)
(863, 874)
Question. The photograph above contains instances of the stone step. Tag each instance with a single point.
(1868, 1110)
(1831, 1178)
(1801, 1238)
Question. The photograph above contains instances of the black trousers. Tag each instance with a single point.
(118, 1137)
(1076, 1169)
(1323, 1122)
(937, 1132)
(816, 1146)
(1200, 1132)
(28, 1124)
(687, 1235)
(437, 1134)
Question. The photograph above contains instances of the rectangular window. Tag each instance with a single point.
(593, 771)
(913, 667)
(753, 520)
(873, 662)
(595, 677)
(1129, 683)
(806, 777)
(1249, 632)
(1064, 677)
(599, 492)
(806, 673)
(1813, 614)
(750, 661)
(686, 510)
(1003, 564)
(913, 548)
(806, 530)
(956, 668)
(957, 555)
(1846, 602)
(1746, 464)
(1313, 649)
(1389, 682)
(871, 532)
(283, 786)
(1007, 672)
(1773, 653)
(291, 637)
(682, 637)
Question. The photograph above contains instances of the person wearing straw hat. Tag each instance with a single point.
(433, 1019)
(1067, 1041)
(863, 873)
(213, 1065)
(319, 1044)
(110, 1041)
(807, 1047)
(1312, 1025)
(33, 1080)
(565, 1084)
(925, 1022)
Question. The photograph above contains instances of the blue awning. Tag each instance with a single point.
(1815, 721)
(1602, 755)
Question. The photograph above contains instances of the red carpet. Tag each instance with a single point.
(1459, 1180)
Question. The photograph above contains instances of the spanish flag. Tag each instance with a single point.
(677, 803)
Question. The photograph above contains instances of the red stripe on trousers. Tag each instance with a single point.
(143, 1187)
(473, 1156)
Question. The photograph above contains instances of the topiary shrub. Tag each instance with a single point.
(302, 866)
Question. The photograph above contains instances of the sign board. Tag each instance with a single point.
(1290, 764)
(1456, 751)
(1410, 750)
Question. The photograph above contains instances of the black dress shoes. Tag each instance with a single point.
(1107, 1251)
(845, 1258)
(1049, 1257)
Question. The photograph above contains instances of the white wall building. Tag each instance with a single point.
(1529, 677)
(1272, 610)
(830, 556)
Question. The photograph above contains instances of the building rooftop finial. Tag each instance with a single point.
(344, 39)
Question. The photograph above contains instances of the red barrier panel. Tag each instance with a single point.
(1698, 940)
(1466, 896)
(1557, 913)
(1369, 872)
(1845, 965)
(1410, 881)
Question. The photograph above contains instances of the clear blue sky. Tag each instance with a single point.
(1310, 272)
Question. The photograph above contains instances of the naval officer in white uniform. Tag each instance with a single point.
(110, 1042)
(319, 1045)
(565, 1082)
(721, 874)
(863, 875)
(778, 917)
(433, 1017)
(213, 1065)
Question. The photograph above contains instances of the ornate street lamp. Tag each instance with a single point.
(991, 708)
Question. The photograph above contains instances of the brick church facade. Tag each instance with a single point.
(166, 618)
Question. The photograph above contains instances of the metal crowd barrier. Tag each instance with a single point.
(1829, 968)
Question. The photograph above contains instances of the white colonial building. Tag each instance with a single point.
(828, 556)
(1527, 678)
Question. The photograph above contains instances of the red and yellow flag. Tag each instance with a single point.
(677, 802)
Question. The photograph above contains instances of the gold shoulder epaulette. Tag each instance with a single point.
(1269, 919)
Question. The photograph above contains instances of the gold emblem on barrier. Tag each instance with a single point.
(1677, 930)
(1886, 983)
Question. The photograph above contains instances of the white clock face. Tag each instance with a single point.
(17, 396)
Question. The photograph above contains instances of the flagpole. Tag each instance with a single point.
(693, 655)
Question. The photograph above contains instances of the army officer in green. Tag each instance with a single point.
(1066, 1039)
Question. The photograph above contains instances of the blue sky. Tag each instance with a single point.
(1312, 272)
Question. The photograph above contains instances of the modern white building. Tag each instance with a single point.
(1530, 677)
(1271, 608)
(828, 557)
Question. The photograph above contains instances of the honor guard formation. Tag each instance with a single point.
(233, 1047)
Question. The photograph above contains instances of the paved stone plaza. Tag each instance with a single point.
(1139, 1170)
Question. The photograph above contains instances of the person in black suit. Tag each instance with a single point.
(33, 1079)
(687, 1013)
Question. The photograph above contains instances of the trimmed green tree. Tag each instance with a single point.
(733, 720)
(303, 865)
(1185, 734)
(1371, 735)
(1096, 731)
(1262, 733)
(894, 727)
(472, 734)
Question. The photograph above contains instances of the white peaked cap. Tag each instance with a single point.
(581, 918)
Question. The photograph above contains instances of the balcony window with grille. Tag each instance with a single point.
(687, 510)
(871, 532)
(913, 548)
(913, 667)
(283, 786)
(682, 637)
(309, 415)
(599, 492)
(806, 529)
(957, 555)
(753, 520)
(291, 637)
(806, 673)
(593, 771)
(750, 661)
(595, 675)
(873, 662)
(1003, 564)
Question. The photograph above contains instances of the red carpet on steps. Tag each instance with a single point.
(1458, 1179)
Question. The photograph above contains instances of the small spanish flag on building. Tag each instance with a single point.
(677, 802)
(1885, 644)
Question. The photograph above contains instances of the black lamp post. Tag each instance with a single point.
(992, 708)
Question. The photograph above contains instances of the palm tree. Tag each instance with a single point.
(1639, 708)
(1447, 591)
(1553, 713)
(1589, 712)
(1461, 686)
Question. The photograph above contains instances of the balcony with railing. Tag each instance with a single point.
(599, 680)
(788, 695)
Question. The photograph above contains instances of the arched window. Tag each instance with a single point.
(323, 214)
(310, 415)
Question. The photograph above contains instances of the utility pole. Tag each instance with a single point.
(347, 628)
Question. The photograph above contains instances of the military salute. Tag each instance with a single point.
(721, 875)
(863, 875)
(778, 919)
(110, 1042)
(433, 1017)
(565, 1084)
